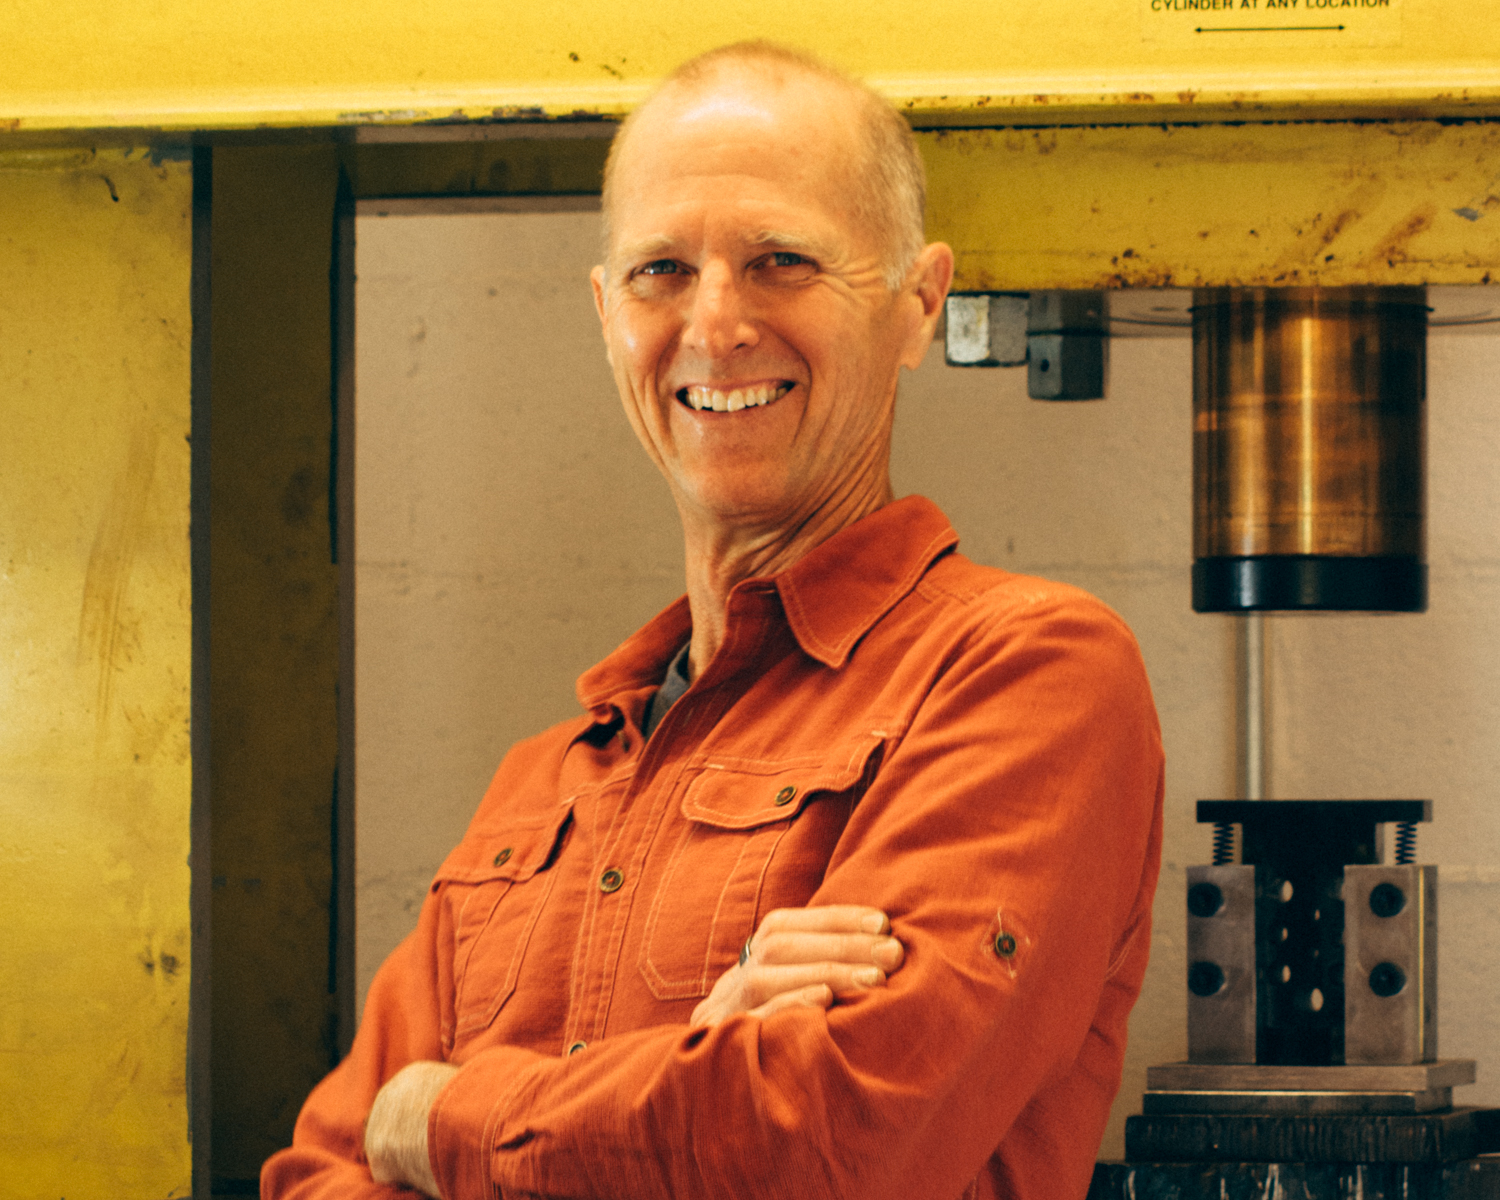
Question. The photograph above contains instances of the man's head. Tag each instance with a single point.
(888, 186)
(764, 282)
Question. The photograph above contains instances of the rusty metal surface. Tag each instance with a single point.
(1283, 205)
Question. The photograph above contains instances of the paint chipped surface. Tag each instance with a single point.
(168, 68)
(1215, 206)
(94, 632)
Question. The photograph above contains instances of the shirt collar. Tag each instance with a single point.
(640, 661)
(832, 596)
(836, 592)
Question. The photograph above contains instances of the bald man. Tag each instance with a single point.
(841, 884)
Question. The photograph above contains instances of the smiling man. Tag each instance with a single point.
(841, 885)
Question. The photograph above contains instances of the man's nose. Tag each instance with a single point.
(719, 321)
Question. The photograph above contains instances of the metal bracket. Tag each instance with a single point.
(986, 329)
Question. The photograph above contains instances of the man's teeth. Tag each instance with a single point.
(717, 401)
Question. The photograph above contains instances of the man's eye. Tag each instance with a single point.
(785, 258)
(662, 266)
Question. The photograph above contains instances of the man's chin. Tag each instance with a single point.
(735, 499)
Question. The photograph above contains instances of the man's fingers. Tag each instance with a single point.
(805, 956)
(817, 996)
(827, 918)
(761, 984)
(788, 947)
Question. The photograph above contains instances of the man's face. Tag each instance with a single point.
(753, 337)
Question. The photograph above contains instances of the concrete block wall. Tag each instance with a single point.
(511, 533)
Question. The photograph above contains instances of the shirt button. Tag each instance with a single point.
(785, 796)
(611, 880)
(503, 857)
(577, 1046)
(1005, 944)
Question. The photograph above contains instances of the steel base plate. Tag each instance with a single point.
(1300, 1103)
(1253, 1077)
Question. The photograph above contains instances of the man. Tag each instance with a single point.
(660, 963)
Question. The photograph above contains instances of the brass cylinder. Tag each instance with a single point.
(1308, 448)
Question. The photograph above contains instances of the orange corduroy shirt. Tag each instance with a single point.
(886, 723)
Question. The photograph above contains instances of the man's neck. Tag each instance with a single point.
(721, 554)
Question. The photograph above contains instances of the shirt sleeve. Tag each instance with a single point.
(1013, 835)
(326, 1160)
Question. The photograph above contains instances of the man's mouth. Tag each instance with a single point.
(701, 398)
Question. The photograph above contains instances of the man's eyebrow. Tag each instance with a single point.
(784, 240)
(649, 247)
(659, 244)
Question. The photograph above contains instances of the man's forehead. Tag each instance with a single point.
(720, 105)
(765, 150)
(791, 111)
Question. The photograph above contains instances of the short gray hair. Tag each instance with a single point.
(891, 192)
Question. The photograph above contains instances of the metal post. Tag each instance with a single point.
(1252, 714)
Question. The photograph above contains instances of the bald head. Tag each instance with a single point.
(887, 187)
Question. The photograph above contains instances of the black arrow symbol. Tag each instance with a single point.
(1265, 28)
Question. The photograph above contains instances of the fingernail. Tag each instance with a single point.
(874, 923)
(887, 951)
(866, 976)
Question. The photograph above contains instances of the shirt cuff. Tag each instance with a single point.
(465, 1122)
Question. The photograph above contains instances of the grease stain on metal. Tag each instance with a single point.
(1393, 247)
(111, 558)
(48, 158)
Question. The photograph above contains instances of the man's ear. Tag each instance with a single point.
(597, 280)
(928, 280)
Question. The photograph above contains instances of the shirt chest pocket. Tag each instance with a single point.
(756, 836)
(494, 888)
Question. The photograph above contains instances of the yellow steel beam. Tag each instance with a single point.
(183, 64)
(1125, 206)
(1191, 206)
(95, 657)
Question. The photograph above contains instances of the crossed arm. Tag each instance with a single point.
(798, 958)
(1023, 799)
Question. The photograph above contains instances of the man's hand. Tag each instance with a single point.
(805, 957)
(396, 1133)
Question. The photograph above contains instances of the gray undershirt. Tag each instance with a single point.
(672, 687)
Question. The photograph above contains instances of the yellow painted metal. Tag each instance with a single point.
(182, 64)
(274, 645)
(94, 675)
(1193, 206)
(1118, 178)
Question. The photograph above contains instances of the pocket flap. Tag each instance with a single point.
(512, 850)
(741, 793)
